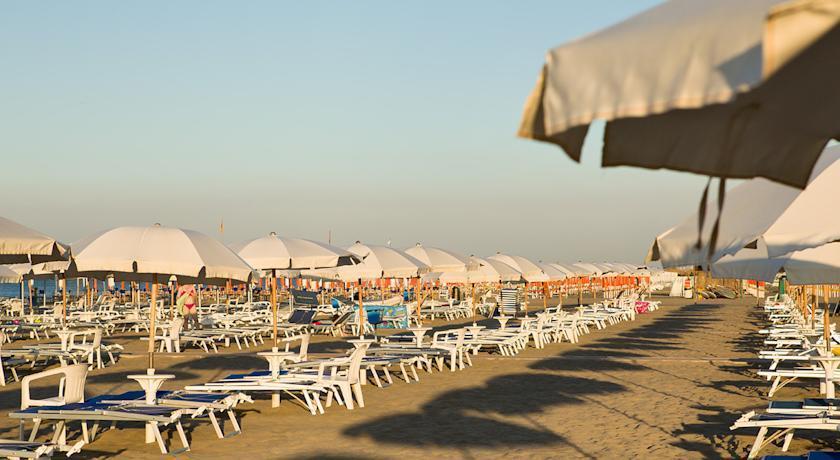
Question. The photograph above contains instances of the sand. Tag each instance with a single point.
(668, 385)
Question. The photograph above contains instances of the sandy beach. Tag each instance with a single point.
(668, 384)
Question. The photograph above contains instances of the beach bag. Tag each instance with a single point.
(641, 307)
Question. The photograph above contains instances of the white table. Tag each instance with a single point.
(474, 330)
(359, 343)
(64, 335)
(503, 320)
(151, 383)
(829, 365)
(419, 332)
(275, 360)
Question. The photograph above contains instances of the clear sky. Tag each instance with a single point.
(375, 120)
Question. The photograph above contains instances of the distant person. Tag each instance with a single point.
(187, 303)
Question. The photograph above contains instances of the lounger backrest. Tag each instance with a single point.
(306, 298)
(307, 317)
(71, 388)
(510, 300)
(356, 364)
(295, 317)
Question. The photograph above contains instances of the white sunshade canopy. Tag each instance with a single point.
(530, 271)
(587, 269)
(21, 244)
(440, 260)
(723, 88)
(784, 218)
(553, 273)
(272, 252)
(818, 265)
(568, 269)
(377, 262)
(138, 253)
(13, 273)
(496, 271)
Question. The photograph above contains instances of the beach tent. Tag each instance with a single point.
(155, 254)
(784, 218)
(440, 260)
(273, 254)
(21, 244)
(723, 88)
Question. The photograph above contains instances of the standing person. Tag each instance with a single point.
(186, 302)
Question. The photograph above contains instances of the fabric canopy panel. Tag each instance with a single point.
(21, 244)
(785, 218)
(530, 271)
(440, 260)
(273, 252)
(587, 269)
(723, 88)
(818, 265)
(138, 253)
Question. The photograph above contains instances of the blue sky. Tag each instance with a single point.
(375, 120)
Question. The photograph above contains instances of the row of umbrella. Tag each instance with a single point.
(158, 254)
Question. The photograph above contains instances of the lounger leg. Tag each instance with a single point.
(309, 403)
(788, 439)
(388, 376)
(404, 373)
(275, 399)
(215, 423)
(759, 440)
(234, 422)
(155, 429)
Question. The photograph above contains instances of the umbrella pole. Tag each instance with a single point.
(545, 295)
(64, 300)
(826, 323)
(361, 311)
(814, 308)
(472, 293)
(418, 297)
(274, 305)
(152, 315)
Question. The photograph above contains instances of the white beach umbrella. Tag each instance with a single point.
(723, 88)
(496, 270)
(531, 272)
(587, 269)
(568, 269)
(785, 218)
(157, 253)
(12, 274)
(386, 262)
(21, 244)
(812, 266)
(553, 273)
(273, 253)
(440, 260)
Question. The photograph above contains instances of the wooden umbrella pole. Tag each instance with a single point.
(361, 312)
(814, 308)
(826, 321)
(419, 298)
(152, 315)
(64, 300)
(545, 295)
(472, 294)
(274, 305)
